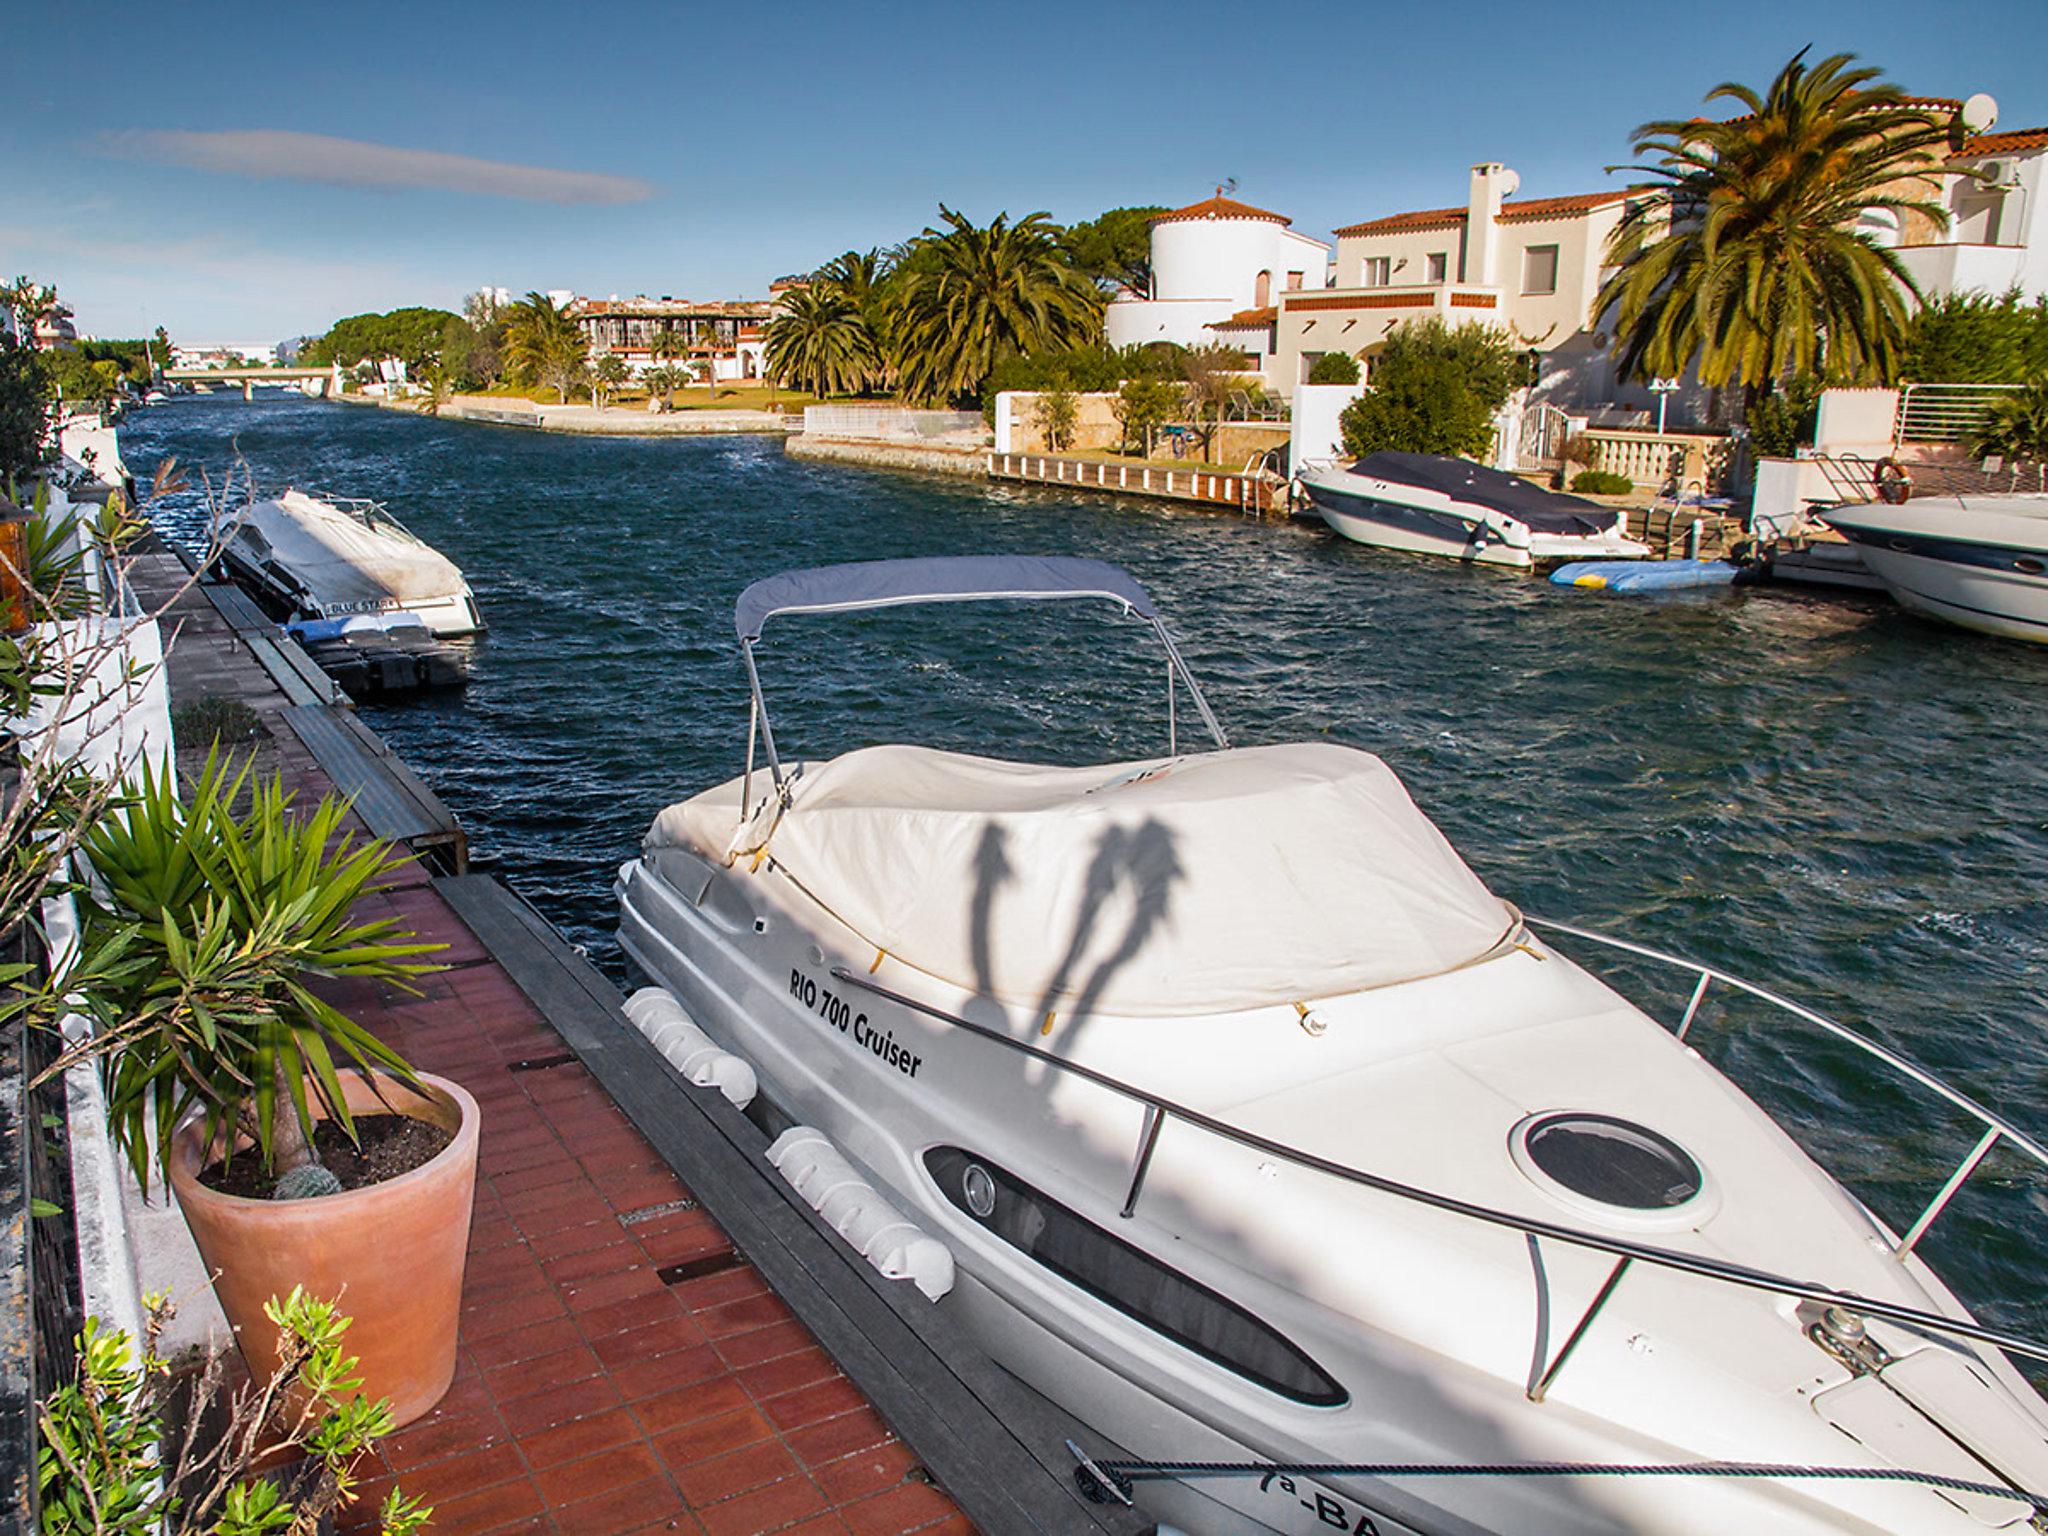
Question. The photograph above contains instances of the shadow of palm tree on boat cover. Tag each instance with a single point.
(1137, 863)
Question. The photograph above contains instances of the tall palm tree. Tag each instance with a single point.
(544, 344)
(818, 340)
(1752, 266)
(965, 298)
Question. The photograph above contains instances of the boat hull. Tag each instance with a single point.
(1975, 586)
(1388, 524)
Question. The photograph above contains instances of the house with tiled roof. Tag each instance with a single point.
(1997, 236)
(729, 338)
(1214, 262)
(1530, 266)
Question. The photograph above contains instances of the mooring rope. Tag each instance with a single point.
(1125, 1474)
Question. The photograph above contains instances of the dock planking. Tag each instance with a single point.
(993, 1444)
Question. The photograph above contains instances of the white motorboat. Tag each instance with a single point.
(1432, 505)
(304, 557)
(1262, 1133)
(156, 397)
(1977, 561)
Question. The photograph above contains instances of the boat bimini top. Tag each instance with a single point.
(946, 579)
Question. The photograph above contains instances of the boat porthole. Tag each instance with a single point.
(1606, 1162)
(817, 955)
(1901, 545)
(2030, 565)
(978, 1185)
(760, 925)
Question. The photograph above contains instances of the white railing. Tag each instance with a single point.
(889, 422)
(1657, 459)
(1945, 413)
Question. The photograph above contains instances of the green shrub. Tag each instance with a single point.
(1602, 482)
(2017, 427)
(1334, 368)
(1972, 338)
(1779, 422)
(1085, 370)
(1435, 389)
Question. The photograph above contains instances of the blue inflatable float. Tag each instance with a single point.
(1645, 575)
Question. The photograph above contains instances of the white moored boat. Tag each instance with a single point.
(1261, 1132)
(318, 559)
(1977, 561)
(1428, 504)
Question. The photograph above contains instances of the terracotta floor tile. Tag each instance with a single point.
(810, 1405)
(668, 1336)
(706, 1438)
(759, 1344)
(706, 1482)
(575, 1237)
(618, 1467)
(871, 1471)
(506, 1507)
(581, 1437)
(543, 1373)
(636, 1279)
(827, 1524)
(443, 1481)
(595, 1261)
(501, 1314)
(641, 1311)
(785, 1373)
(653, 1376)
(740, 1316)
(727, 1285)
(765, 1509)
(835, 1438)
(621, 1509)
(544, 1410)
(424, 1442)
(528, 1343)
(906, 1508)
(699, 1400)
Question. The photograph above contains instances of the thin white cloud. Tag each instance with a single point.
(280, 154)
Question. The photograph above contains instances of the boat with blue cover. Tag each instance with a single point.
(1431, 504)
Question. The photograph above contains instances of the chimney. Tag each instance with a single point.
(1480, 260)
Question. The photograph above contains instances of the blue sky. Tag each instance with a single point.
(172, 163)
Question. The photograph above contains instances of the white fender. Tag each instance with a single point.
(657, 1015)
(897, 1248)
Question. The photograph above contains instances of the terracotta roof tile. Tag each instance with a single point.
(2003, 143)
(1220, 207)
(1526, 208)
(1246, 317)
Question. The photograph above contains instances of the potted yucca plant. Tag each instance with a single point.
(302, 1150)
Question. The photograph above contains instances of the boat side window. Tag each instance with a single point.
(1128, 1278)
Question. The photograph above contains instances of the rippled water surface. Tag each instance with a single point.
(1831, 797)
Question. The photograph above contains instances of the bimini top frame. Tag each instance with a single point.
(946, 579)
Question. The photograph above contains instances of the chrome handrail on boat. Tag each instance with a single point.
(1996, 1127)
(1545, 1366)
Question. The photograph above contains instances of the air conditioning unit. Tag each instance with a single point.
(1998, 173)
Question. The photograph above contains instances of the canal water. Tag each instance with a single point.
(1831, 797)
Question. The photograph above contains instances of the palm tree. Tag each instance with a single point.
(965, 298)
(819, 342)
(1752, 266)
(544, 345)
(606, 375)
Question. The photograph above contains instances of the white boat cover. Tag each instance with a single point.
(347, 566)
(1192, 885)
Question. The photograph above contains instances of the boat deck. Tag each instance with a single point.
(625, 1360)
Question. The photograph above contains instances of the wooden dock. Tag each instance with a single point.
(1254, 495)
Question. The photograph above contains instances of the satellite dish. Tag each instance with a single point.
(1979, 114)
(1510, 183)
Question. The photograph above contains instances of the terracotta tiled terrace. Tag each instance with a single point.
(619, 1368)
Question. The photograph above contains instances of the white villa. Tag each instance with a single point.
(1997, 237)
(730, 337)
(1211, 261)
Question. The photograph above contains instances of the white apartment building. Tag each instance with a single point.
(1212, 261)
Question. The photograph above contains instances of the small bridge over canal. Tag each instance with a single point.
(250, 376)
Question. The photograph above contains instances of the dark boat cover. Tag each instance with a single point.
(1497, 490)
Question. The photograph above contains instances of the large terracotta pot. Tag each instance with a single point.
(390, 1253)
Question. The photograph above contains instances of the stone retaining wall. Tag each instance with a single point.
(930, 459)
